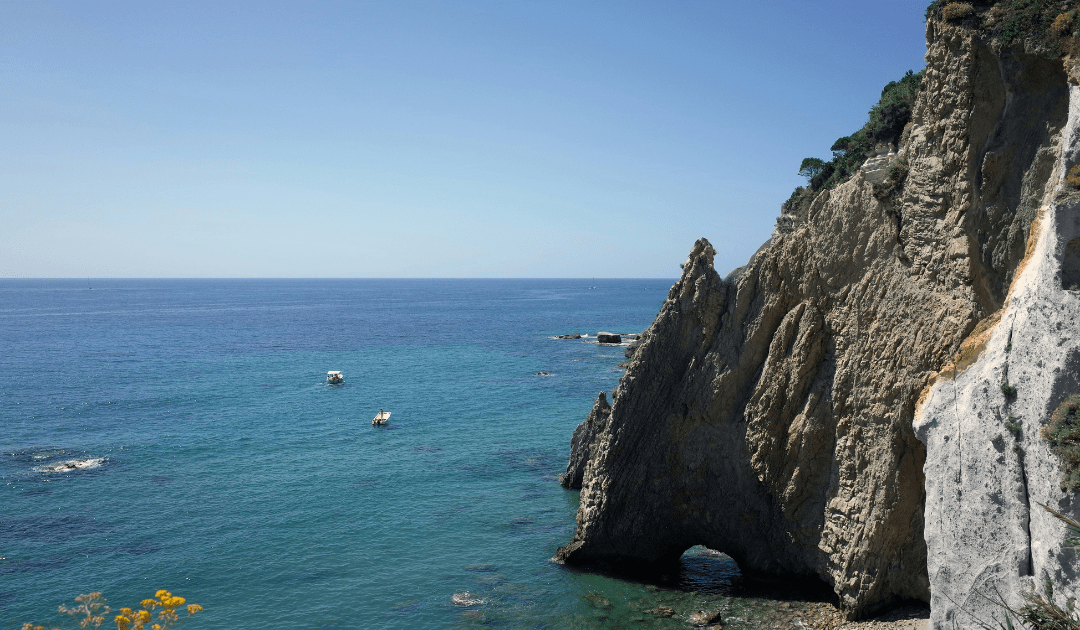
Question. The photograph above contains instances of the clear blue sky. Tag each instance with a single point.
(510, 138)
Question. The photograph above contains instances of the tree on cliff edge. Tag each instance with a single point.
(810, 167)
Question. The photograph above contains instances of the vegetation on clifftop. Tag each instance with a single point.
(1041, 26)
(1048, 27)
(886, 123)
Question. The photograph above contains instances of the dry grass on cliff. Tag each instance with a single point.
(1063, 434)
(1072, 178)
(1062, 24)
(1040, 26)
(1041, 612)
(957, 10)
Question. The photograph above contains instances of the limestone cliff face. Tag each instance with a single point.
(987, 467)
(581, 443)
(769, 414)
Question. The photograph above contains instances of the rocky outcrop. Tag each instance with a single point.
(581, 444)
(606, 337)
(876, 168)
(770, 414)
(987, 469)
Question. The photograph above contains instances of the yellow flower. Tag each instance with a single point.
(123, 621)
(144, 616)
(156, 627)
(162, 593)
(126, 612)
(193, 608)
(148, 603)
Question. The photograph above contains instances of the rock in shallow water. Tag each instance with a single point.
(465, 598)
(597, 600)
(703, 618)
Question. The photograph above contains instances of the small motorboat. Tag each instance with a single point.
(381, 418)
(334, 378)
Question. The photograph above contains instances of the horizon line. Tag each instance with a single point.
(83, 278)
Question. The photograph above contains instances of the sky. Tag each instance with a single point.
(510, 138)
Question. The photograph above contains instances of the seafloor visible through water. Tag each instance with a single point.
(180, 434)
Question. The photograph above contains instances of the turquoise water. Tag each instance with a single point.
(213, 459)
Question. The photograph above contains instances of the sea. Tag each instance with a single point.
(181, 435)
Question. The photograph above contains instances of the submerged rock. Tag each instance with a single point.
(465, 598)
(703, 618)
(597, 600)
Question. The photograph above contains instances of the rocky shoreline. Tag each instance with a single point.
(862, 405)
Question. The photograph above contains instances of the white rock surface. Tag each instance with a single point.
(876, 168)
(986, 535)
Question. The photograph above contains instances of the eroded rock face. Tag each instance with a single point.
(987, 467)
(769, 414)
(582, 442)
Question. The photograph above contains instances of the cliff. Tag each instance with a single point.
(581, 443)
(988, 468)
(771, 414)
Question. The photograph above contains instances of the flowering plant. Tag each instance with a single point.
(91, 612)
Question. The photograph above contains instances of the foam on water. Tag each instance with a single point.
(70, 465)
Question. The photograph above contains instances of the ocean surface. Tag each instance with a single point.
(180, 435)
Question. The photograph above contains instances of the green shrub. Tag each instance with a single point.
(799, 202)
(811, 167)
(957, 10)
(1063, 435)
(1042, 23)
(1027, 18)
(1013, 426)
(886, 123)
(1008, 390)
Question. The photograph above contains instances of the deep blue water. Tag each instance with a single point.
(219, 464)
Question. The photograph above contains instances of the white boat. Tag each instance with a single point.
(334, 377)
(381, 418)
